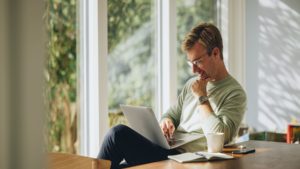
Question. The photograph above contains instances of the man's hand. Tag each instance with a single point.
(199, 87)
(167, 128)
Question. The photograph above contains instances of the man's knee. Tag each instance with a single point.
(118, 131)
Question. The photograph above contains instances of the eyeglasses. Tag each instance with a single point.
(196, 62)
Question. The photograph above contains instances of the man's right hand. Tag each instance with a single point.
(167, 128)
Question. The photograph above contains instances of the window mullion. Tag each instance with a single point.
(236, 40)
(93, 107)
(167, 62)
(103, 72)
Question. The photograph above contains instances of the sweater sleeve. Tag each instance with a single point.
(229, 115)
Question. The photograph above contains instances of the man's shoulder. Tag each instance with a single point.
(229, 87)
(231, 82)
(235, 89)
(235, 84)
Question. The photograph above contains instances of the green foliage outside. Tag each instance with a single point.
(60, 74)
(131, 59)
(124, 18)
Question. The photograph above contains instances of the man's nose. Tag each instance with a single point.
(195, 68)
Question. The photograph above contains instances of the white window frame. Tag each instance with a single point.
(222, 22)
(103, 58)
(92, 75)
(236, 36)
(232, 24)
(166, 55)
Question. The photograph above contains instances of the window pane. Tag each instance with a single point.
(189, 14)
(131, 48)
(60, 74)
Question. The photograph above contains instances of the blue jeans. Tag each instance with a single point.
(121, 142)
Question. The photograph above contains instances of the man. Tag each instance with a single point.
(213, 101)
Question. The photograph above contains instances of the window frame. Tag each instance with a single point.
(93, 116)
(166, 56)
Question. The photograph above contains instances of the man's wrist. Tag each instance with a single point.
(202, 99)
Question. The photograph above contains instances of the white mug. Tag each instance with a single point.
(215, 142)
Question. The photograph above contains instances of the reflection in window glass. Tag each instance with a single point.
(131, 68)
(189, 14)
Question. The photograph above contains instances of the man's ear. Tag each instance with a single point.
(216, 52)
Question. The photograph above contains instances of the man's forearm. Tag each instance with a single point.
(206, 109)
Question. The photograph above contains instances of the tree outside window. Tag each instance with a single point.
(60, 74)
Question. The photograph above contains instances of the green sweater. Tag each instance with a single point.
(228, 101)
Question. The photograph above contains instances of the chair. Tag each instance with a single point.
(72, 161)
(293, 134)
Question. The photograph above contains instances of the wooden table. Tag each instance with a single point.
(268, 155)
(72, 161)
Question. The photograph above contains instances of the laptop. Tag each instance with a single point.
(143, 121)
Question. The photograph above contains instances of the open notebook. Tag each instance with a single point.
(199, 156)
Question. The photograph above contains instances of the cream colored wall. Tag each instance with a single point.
(3, 87)
(22, 52)
(272, 63)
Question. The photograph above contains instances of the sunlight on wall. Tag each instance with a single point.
(278, 73)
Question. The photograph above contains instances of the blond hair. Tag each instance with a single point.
(206, 34)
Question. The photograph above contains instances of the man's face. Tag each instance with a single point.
(202, 64)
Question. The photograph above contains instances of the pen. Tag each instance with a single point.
(200, 154)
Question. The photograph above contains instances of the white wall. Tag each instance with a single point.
(272, 63)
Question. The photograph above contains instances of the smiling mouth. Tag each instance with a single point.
(203, 75)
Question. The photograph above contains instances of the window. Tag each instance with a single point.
(61, 76)
(189, 14)
(140, 37)
(131, 56)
